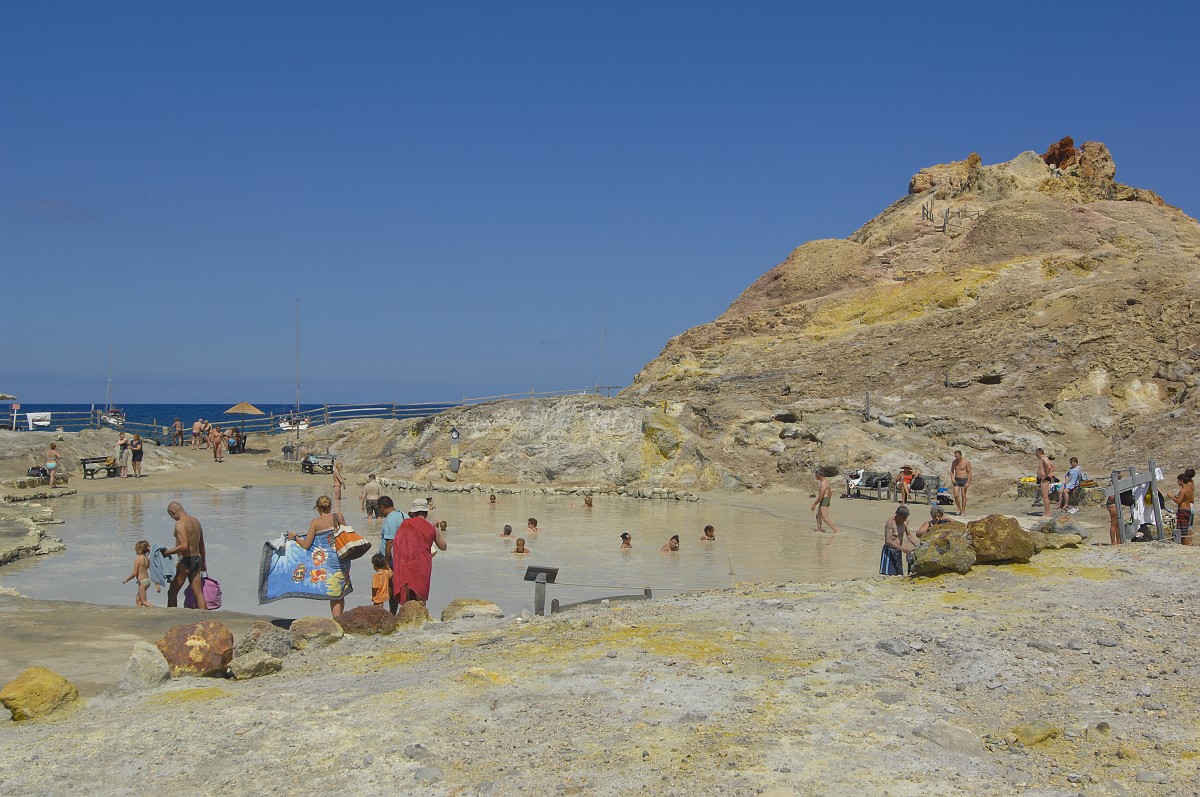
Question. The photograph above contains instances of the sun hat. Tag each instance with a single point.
(419, 505)
(936, 510)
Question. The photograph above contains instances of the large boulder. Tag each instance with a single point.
(1062, 154)
(368, 620)
(1061, 524)
(315, 632)
(470, 607)
(254, 664)
(945, 548)
(1096, 161)
(147, 668)
(204, 648)
(267, 637)
(413, 613)
(37, 692)
(999, 538)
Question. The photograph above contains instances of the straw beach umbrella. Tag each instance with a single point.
(244, 409)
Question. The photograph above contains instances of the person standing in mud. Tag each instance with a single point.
(189, 547)
(960, 479)
(824, 498)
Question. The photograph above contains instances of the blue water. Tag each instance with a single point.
(68, 415)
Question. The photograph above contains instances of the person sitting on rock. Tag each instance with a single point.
(937, 516)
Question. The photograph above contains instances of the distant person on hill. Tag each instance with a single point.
(507, 531)
(368, 499)
(824, 498)
(412, 558)
(177, 433)
(960, 480)
(122, 448)
(626, 540)
(1183, 502)
(135, 452)
(197, 433)
(521, 550)
(1070, 487)
(189, 547)
(52, 460)
(672, 545)
(897, 540)
(1045, 474)
(709, 535)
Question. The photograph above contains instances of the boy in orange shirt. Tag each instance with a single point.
(381, 582)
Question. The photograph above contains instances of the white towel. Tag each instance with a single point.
(37, 419)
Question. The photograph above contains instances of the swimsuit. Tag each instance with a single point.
(51, 465)
(960, 482)
(192, 563)
(825, 501)
(1183, 521)
(145, 582)
(890, 562)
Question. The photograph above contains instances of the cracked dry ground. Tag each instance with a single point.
(775, 686)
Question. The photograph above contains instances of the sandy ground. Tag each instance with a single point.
(876, 685)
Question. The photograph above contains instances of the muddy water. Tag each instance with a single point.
(767, 539)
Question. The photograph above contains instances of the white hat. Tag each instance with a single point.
(419, 505)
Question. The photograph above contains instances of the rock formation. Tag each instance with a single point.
(204, 648)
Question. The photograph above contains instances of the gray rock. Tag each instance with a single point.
(890, 698)
(428, 775)
(771, 603)
(950, 737)
(1146, 776)
(894, 647)
(1107, 642)
(1061, 524)
(146, 669)
(886, 421)
(270, 639)
(1042, 645)
(416, 751)
(254, 664)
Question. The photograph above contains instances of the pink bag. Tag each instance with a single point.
(212, 594)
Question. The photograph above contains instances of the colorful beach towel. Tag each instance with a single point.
(289, 571)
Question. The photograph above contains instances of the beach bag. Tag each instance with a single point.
(349, 543)
(37, 470)
(918, 483)
(212, 594)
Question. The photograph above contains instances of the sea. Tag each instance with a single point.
(140, 417)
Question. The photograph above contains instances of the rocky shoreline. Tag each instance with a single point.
(1076, 673)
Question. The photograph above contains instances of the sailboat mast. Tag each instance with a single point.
(297, 355)
(108, 389)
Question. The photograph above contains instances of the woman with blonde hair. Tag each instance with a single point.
(326, 522)
(339, 483)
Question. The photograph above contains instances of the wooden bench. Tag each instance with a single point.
(312, 462)
(881, 480)
(929, 489)
(92, 465)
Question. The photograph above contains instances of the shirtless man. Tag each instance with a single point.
(960, 479)
(897, 541)
(1045, 471)
(214, 442)
(189, 547)
(177, 433)
(197, 433)
(369, 497)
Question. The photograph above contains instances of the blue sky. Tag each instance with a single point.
(459, 193)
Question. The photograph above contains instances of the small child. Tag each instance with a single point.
(710, 534)
(381, 582)
(141, 572)
(521, 550)
(626, 540)
(507, 531)
(532, 527)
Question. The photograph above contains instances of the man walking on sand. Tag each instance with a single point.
(197, 432)
(369, 497)
(189, 547)
(960, 479)
(1045, 471)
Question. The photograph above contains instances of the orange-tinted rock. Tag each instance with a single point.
(998, 538)
(368, 620)
(1096, 161)
(1062, 154)
(203, 648)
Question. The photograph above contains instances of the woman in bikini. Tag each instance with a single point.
(1183, 502)
(339, 483)
(824, 499)
(52, 460)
